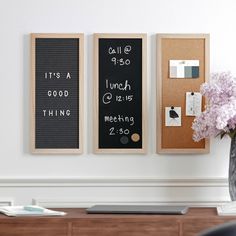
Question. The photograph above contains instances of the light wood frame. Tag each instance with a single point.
(142, 150)
(35, 150)
(159, 108)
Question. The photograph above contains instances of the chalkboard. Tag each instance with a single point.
(120, 93)
(57, 92)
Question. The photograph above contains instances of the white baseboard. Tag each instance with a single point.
(85, 192)
(111, 182)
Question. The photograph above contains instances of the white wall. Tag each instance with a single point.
(106, 178)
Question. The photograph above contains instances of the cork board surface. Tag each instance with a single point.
(174, 90)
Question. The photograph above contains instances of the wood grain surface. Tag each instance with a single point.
(78, 223)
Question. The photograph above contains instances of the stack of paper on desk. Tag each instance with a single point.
(29, 211)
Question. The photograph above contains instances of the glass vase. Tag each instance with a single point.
(232, 169)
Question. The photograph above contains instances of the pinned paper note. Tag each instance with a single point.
(183, 69)
(193, 103)
(173, 116)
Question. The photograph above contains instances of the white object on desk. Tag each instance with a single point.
(228, 209)
(29, 211)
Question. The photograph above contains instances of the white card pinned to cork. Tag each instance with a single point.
(193, 103)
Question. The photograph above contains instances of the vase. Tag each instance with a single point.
(232, 169)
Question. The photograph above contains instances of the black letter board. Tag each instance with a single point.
(120, 93)
(57, 87)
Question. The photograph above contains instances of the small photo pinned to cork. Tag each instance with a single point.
(173, 116)
(193, 103)
(184, 69)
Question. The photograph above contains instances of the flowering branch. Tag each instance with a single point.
(219, 117)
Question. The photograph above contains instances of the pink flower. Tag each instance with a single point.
(220, 114)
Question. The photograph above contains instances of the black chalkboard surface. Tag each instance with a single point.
(120, 93)
(57, 93)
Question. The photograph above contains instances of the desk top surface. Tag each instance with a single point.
(79, 213)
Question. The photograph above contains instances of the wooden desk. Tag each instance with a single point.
(78, 223)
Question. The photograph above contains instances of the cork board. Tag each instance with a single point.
(172, 92)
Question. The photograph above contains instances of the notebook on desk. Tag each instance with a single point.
(137, 209)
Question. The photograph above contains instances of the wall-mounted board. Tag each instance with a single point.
(120, 93)
(57, 93)
(182, 66)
